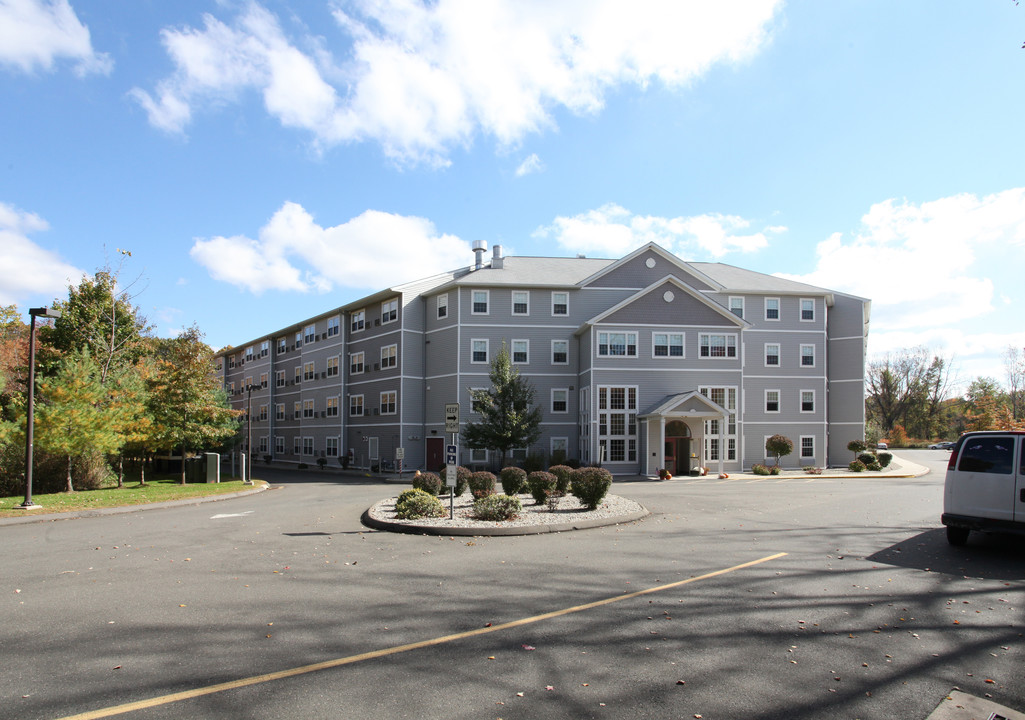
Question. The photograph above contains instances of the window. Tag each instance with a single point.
(478, 456)
(772, 401)
(389, 356)
(807, 401)
(389, 311)
(356, 363)
(737, 306)
(388, 401)
(265, 348)
(479, 400)
(332, 407)
(249, 383)
(993, 455)
(334, 326)
(560, 303)
(299, 338)
(771, 354)
(279, 445)
(231, 361)
(355, 406)
(332, 366)
(263, 379)
(618, 344)
(249, 353)
(726, 398)
(667, 345)
(617, 423)
(560, 352)
(717, 346)
(358, 320)
(443, 305)
(560, 400)
(772, 308)
(308, 371)
(479, 351)
(520, 351)
(309, 334)
(297, 409)
(279, 378)
(808, 447)
(559, 447)
(480, 302)
(807, 356)
(282, 342)
(331, 447)
(297, 445)
(298, 374)
(520, 302)
(807, 309)
(279, 411)
(263, 444)
(307, 446)
(263, 413)
(231, 388)
(309, 409)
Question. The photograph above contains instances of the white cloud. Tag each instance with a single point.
(35, 33)
(421, 78)
(27, 271)
(614, 231)
(294, 253)
(531, 164)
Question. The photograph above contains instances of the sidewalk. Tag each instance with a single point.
(898, 468)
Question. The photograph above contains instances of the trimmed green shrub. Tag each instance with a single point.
(496, 507)
(779, 446)
(590, 485)
(775, 470)
(812, 470)
(562, 475)
(428, 482)
(514, 480)
(462, 481)
(415, 504)
(481, 483)
(866, 458)
(540, 484)
(884, 459)
(856, 466)
(759, 469)
(857, 446)
(874, 466)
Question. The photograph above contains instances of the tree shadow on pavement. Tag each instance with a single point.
(989, 556)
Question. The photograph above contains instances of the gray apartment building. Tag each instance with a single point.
(639, 363)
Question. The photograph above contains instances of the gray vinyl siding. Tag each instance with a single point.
(637, 274)
(652, 307)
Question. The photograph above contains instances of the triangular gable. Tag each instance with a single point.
(656, 252)
(671, 284)
(688, 404)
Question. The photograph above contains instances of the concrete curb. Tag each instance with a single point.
(498, 531)
(39, 516)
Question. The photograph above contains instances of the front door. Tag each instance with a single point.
(435, 453)
(677, 448)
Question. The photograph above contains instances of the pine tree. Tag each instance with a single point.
(509, 418)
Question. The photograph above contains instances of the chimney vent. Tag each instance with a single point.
(497, 261)
(479, 248)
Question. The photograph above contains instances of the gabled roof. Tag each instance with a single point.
(737, 280)
(688, 268)
(688, 404)
(676, 282)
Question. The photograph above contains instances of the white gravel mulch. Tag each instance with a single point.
(570, 511)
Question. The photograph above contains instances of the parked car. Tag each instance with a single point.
(985, 485)
(945, 445)
(881, 446)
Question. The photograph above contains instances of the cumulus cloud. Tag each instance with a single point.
(36, 33)
(614, 231)
(421, 78)
(531, 164)
(293, 253)
(27, 270)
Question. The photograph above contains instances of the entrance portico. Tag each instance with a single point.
(674, 432)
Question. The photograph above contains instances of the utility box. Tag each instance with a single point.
(212, 463)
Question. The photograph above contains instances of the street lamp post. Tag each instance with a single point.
(247, 476)
(30, 412)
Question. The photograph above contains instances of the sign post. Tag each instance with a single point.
(451, 454)
(400, 455)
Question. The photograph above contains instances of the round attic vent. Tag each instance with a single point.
(650, 262)
(668, 296)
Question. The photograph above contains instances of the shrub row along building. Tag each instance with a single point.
(640, 363)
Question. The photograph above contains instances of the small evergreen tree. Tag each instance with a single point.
(509, 418)
(779, 446)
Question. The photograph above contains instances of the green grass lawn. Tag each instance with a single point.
(158, 490)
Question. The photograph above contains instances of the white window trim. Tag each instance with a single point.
(388, 304)
(800, 448)
(779, 310)
(565, 445)
(551, 404)
(312, 447)
(726, 355)
(779, 401)
(512, 354)
(512, 307)
(801, 355)
(627, 333)
(395, 403)
(361, 313)
(388, 347)
(442, 304)
(560, 292)
(487, 302)
(730, 305)
(362, 405)
(362, 365)
(779, 354)
(669, 346)
(800, 400)
(487, 351)
(334, 326)
(552, 356)
(800, 306)
(309, 337)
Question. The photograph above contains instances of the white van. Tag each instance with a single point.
(985, 485)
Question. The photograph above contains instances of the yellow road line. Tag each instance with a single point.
(338, 662)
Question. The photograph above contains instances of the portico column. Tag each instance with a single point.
(722, 442)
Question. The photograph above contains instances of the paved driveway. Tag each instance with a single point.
(832, 598)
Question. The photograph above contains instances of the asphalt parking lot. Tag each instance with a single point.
(818, 599)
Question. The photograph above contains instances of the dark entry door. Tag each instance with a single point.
(435, 453)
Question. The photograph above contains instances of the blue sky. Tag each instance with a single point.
(267, 161)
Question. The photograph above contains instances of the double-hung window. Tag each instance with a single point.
(355, 406)
(249, 353)
(772, 308)
(309, 334)
(309, 408)
(332, 407)
(279, 411)
(737, 306)
(279, 378)
(807, 309)
(520, 302)
(808, 446)
(308, 371)
(443, 305)
(713, 345)
(479, 351)
(807, 401)
(332, 366)
(389, 356)
(560, 352)
(667, 345)
(807, 356)
(358, 320)
(520, 351)
(334, 326)
(560, 303)
(307, 446)
(356, 363)
(388, 402)
(331, 447)
(771, 354)
(281, 345)
(389, 311)
(772, 401)
(617, 344)
(479, 300)
(560, 400)
(263, 413)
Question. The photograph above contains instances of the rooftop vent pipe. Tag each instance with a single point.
(479, 248)
(497, 261)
